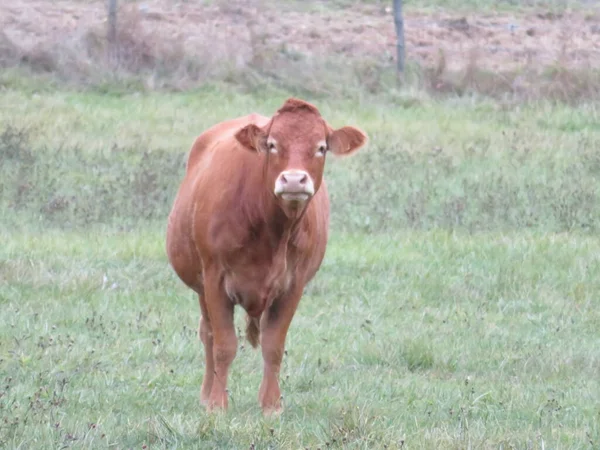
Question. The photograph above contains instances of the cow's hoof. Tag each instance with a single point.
(216, 404)
(273, 412)
(215, 409)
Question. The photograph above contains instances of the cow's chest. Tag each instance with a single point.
(256, 274)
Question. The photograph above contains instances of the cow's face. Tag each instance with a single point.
(296, 141)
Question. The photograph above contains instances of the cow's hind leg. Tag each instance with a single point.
(205, 333)
(252, 330)
(224, 339)
(274, 326)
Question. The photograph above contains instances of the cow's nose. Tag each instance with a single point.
(294, 181)
(294, 185)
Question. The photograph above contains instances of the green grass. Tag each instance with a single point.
(457, 306)
(79, 158)
(441, 340)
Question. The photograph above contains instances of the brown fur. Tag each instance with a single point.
(293, 105)
(252, 331)
(230, 239)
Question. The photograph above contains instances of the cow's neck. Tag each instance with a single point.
(281, 229)
(280, 226)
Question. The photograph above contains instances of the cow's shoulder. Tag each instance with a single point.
(219, 132)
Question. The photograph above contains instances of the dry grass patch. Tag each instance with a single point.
(327, 51)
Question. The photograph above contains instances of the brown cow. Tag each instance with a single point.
(249, 226)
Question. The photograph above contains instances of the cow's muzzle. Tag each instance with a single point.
(294, 185)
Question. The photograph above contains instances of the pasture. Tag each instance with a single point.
(430, 324)
(457, 306)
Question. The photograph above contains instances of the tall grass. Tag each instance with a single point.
(481, 183)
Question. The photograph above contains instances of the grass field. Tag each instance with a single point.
(458, 303)
(457, 307)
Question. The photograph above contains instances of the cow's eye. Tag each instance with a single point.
(321, 149)
(272, 147)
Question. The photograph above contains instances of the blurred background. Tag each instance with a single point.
(328, 47)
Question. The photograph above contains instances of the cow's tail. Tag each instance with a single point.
(252, 330)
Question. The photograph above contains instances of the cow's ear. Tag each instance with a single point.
(252, 138)
(346, 140)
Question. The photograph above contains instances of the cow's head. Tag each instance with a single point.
(296, 141)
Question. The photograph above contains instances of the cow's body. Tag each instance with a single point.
(234, 239)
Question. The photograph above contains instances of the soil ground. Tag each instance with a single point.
(499, 41)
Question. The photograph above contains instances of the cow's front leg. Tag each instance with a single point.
(205, 333)
(224, 340)
(274, 326)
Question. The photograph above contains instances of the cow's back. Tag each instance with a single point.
(217, 133)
